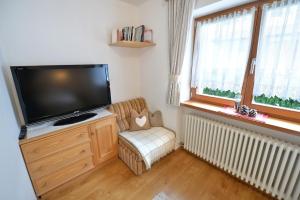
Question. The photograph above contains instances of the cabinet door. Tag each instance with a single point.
(104, 139)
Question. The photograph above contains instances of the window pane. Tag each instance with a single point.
(221, 53)
(277, 73)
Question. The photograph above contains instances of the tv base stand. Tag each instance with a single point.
(74, 119)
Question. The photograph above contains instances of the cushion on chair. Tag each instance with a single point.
(156, 119)
(152, 144)
(123, 109)
(139, 121)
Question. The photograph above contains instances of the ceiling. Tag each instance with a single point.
(134, 2)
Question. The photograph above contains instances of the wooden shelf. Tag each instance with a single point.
(132, 44)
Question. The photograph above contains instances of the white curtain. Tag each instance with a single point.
(180, 18)
(221, 51)
(278, 59)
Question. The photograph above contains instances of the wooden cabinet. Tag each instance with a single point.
(104, 140)
(57, 157)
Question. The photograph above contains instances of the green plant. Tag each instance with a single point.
(277, 101)
(221, 93)
(263, 99)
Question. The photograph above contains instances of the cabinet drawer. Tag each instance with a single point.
(35, 150)
(57, 178)
(59, 160)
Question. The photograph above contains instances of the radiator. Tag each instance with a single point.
(266, 163)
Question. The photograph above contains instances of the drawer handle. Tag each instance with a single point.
(44, 185)
(85, 165)
(36, 150)
(82, 151)
(80, 135)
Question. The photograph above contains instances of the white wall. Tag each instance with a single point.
(14, 180)
(35, 32)
(49, 32)
(154, 65)
(202, 3)
(154, 62)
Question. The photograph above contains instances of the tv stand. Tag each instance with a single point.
(74, 119)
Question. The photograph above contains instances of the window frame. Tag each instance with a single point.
(248, 81)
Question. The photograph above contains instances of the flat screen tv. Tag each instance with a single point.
(46, 92)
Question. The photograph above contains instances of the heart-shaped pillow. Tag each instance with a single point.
(139, 121)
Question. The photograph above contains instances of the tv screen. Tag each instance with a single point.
(50, 91)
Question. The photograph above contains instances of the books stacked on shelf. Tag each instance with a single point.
(131, 33)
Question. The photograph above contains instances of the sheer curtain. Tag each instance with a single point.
(221, 51)
(278, 59)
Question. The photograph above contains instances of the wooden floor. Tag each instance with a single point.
(179, 175)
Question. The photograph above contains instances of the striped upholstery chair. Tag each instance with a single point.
(127, 152)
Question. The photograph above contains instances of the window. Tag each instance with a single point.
(277, 71)
(222, 49)
(250, 53)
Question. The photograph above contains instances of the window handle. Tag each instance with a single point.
(253, 63)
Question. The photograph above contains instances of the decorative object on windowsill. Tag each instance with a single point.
(237, 106)
(252, 113)
(232, 111)
(244, 110)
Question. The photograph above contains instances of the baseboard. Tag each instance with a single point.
(178, 145)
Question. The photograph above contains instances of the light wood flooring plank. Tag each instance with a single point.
(180, 175)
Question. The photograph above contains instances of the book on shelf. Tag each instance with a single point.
(131, 33)
(114, 36)
(148, 35)
(139, 33)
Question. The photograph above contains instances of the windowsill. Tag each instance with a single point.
(292, 128)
